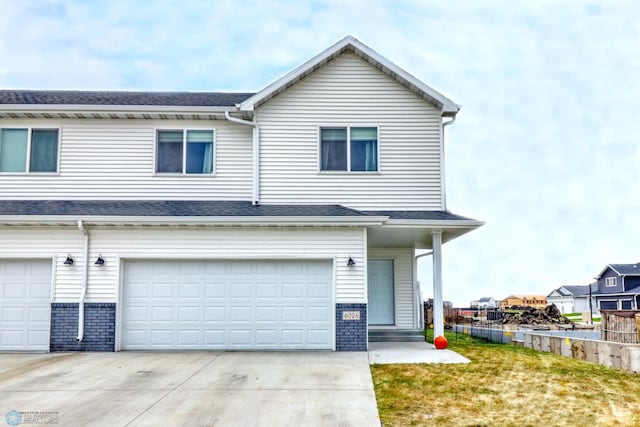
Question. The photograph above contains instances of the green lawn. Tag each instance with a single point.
(505, 385)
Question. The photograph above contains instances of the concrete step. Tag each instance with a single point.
(407, 338)
(393, 335)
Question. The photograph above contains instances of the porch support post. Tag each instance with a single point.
(438, 310)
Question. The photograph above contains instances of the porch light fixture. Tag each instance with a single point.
(351, 262)
(100, 261)
(69, 261)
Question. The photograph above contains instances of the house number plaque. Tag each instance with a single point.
(350, 315)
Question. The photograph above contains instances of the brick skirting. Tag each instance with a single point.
(99, 327)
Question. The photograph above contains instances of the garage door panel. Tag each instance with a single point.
(215, 313)
(39, 314)
(292, 314)
(241, 314)
(227, 304)
(25, 306)
(292, 290)
(241, 290)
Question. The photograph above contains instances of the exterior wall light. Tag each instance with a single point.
(100, 261)
(69, 261)
(351, 262)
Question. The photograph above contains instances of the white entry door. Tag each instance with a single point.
(25, 305)
(268, 304)
(381, 295)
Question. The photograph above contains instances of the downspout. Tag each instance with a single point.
(256, 152)
(444, 189)
(85, 277)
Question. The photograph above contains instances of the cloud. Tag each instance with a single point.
(545, 149)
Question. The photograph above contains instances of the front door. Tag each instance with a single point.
(381, 301)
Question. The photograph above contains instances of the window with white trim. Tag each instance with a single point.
(185, 151)
(610, 282)
(349, 149)
(626, 304)
(29, 150)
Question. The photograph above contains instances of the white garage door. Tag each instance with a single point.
(25, 306)
(227, 305)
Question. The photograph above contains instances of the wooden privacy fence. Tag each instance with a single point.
(620, 326)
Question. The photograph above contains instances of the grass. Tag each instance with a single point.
(505, 385)
(577, 317)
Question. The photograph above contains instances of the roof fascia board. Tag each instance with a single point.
(421, 223)
(448, 107)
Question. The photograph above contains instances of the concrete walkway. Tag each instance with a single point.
(411, 352)
(191, 388)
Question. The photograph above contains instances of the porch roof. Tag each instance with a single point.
(413, 229)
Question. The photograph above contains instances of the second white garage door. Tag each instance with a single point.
(227, 305)
(25, 305)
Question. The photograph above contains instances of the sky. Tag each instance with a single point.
(546, 148)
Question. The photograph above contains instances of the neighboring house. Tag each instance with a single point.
(618, 287)
(484, 302)
(283, 219)
(572, 299)
(535, 301)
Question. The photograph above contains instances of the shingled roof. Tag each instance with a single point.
(167, 208)
(169, 99)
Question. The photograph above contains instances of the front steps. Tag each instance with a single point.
(395, 335)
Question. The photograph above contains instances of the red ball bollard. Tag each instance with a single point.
(440, 342)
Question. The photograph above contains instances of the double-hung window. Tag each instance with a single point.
(185, 151)
(350, 149)
(28, 150)
(610, 282)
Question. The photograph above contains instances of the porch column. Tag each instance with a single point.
(438, 310)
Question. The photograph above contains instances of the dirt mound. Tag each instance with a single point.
(531, 316)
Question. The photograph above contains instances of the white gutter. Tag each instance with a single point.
(442, 176)
(85, 276)
(257, 221)
(256, 152)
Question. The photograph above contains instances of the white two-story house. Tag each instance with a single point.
(283, 219)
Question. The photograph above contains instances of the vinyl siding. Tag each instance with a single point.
(183, 243)
(349, 91)
(114, 159)
(403, 274)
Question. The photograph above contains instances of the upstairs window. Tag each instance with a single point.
(350, 149)
(29, 150)
(610, 282)
(185, 151)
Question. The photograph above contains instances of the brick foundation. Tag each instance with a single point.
(351, 335)
(99, 327)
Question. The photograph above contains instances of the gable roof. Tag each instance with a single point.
(75, 97)
(622, 269)
(486, 299)
(571, 290)
(352, 45)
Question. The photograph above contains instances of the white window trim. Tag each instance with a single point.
(184, 152)
(625, 300)
(28, 165)
(348, 128)
(607, 281)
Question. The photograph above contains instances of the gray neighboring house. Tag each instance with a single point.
(573, 299)
(484, 302)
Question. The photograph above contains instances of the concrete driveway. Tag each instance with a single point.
(189, 388)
